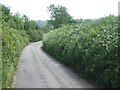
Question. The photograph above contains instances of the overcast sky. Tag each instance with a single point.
(86, 9)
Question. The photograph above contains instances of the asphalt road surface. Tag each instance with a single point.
(36, 69)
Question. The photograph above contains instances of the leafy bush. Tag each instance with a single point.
(35, 35)
(13, 42)
(90, 48)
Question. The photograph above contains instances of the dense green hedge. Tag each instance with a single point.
(90, 48)
(37, 35)
(16, 31)
(13, 41)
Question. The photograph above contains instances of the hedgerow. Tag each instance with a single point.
(16, 31)
(90, 48)
(13, 41)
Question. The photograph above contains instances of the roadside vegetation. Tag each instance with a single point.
(17, 31)
(90, 48)
(13, 42)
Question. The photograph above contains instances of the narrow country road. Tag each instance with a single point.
(36, 69)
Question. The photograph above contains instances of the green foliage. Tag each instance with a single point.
(16, 33)
(59, 16)
(5, 13)
(32, 29)
(35, 35)
(13, 42)
(16, 22)
(22, 23)
(90, 48)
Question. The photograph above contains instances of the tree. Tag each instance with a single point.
(16, 22)
(5, 13)
(33, 25)
(59, 16)
(26, 21)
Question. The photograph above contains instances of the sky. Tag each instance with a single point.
(85, 9)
